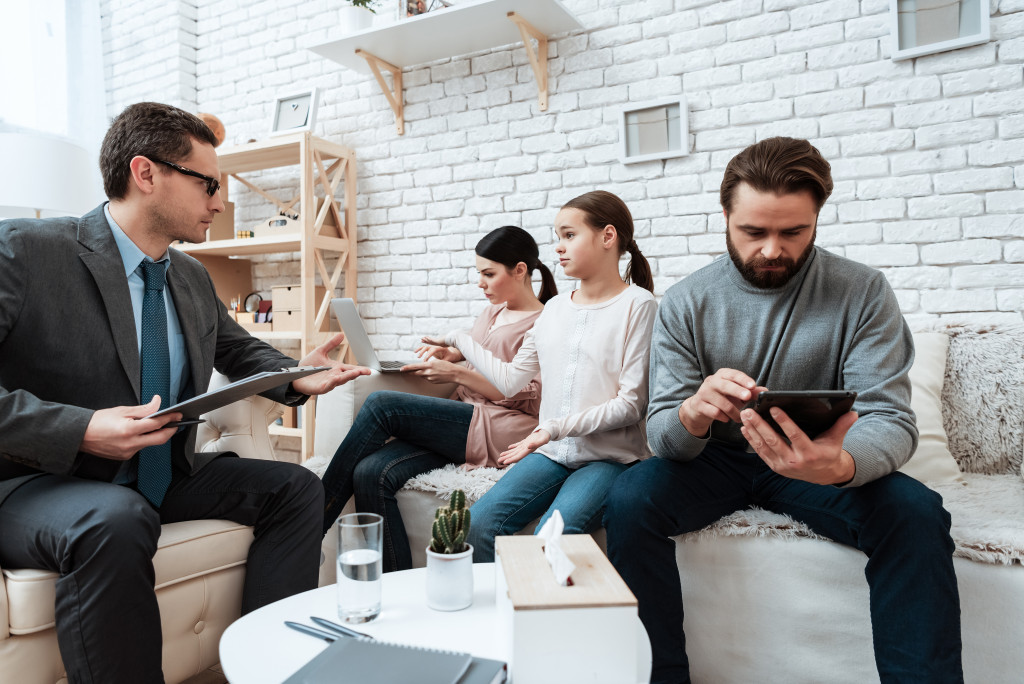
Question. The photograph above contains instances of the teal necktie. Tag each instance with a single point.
(155, 461)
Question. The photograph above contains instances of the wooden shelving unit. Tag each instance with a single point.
(327, 228)
(468, 26)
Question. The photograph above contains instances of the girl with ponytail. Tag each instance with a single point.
(472, 426)
(591, 347)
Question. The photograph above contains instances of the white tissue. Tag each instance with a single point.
(551, 533)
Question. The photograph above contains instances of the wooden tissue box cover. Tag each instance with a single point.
(586, 632)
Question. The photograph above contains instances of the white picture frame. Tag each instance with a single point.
(656, 129)
(924, 27)
(294, 111)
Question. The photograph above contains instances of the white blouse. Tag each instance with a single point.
(593, 362)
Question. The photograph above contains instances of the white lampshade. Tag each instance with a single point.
(43, 175)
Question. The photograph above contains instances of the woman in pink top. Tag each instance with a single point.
(472, 427)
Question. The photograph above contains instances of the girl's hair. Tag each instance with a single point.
(508, 246)
(601, 208)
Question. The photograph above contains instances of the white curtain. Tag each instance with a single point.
(51, 77)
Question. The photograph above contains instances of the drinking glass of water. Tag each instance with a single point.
(359, 566)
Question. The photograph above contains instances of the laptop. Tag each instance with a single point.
(352, 325)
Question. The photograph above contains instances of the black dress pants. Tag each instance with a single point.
(101, 537)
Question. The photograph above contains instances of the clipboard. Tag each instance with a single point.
(192, 408)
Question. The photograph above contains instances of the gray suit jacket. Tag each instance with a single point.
(68, 345)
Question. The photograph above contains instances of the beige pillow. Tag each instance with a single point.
(931, 463)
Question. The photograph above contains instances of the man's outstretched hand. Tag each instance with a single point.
(339, 374)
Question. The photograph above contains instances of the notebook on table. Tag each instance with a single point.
(355, 332)
(365, 661)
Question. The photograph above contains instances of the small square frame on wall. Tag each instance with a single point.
(656, 129)
(924, 27)
(294, 111)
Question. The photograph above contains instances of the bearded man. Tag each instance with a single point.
(781, 313)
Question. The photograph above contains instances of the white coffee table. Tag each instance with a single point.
(259, 649)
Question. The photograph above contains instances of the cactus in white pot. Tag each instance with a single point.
(449, 557)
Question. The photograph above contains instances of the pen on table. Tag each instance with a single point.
(339, 629)
(305, 629)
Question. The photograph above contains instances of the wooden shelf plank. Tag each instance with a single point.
(241, 247)
(279, 431)
(274, 152)
(278, 334)
(469, 26)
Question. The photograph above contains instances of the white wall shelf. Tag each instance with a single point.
(467, 27)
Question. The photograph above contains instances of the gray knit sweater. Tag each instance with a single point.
(835, 325)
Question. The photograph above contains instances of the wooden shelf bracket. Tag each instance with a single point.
(538, 57)
(393, 93)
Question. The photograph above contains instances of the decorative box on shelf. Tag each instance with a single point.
(585, 632)
(248, 321)
(287, 300)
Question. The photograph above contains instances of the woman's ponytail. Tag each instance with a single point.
(511, 245)
(638, 271)
(548, 289)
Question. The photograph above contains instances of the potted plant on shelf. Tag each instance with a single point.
(357, 15)
(450, 558)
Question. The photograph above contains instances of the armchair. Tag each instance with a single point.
(200, 568)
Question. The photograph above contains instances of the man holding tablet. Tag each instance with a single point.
(782, 314)
(101, 325)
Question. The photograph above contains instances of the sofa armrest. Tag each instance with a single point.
(240, 427)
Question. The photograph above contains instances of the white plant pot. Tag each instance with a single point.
(450, 579)
(354, 19)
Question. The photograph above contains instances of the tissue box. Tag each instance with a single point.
(586, 632)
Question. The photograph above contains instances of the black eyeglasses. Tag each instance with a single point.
(212, 184)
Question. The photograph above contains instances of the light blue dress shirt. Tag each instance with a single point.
(132, 257)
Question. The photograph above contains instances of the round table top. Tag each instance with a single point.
(259, 649)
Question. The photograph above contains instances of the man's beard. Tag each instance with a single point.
(767, 279)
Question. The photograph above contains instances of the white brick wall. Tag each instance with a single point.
(928, 154)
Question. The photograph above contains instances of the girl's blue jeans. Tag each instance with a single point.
(537, 485)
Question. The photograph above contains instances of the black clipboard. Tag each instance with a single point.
(222, 396)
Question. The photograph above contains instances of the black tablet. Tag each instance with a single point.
(814, 411)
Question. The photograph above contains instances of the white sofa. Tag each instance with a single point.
(767, 600)
(200, 568)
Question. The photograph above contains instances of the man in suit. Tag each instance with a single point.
(101, 323)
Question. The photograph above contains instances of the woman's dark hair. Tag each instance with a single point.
(152, 130)
(508, 246)
(601, 208)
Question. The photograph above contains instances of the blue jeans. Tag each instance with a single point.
(538, 485)
(898, 522)
(428, 433)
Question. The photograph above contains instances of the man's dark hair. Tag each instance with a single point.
(152, 130)
(781, 166)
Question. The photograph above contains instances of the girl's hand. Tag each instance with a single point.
(520, 449)
(436, 349)
(435, 371)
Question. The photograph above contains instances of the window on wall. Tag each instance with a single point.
(52, 78)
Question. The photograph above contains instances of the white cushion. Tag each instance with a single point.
(932, 463)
